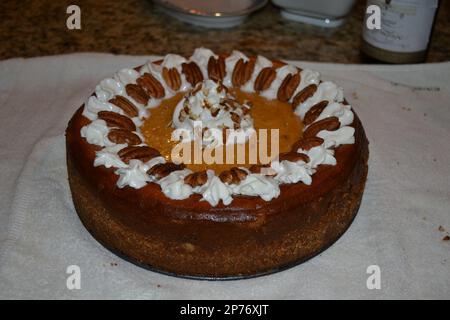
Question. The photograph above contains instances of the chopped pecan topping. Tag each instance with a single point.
(288, 86)
(196, 179)
(124, 136)
(216, 68)
(235, 117)
(221, 87)
(242, 72)
(215, 112)
(230, 103)
(314, 112)
(137, 93)
(307, 143)
(143, 153)
(196, 89)
(304, 94)
(264, 79)
(293, 157)
(233, 176)
(126, 105)
(330, 124)
(193, 73)
(172, 78)
(151, 85)
(162, 170)
(116, 120)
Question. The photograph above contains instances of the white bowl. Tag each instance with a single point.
(324, 13)
(212, 13)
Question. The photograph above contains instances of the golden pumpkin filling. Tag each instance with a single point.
(267, 114)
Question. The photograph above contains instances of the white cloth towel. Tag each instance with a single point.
(400, 226)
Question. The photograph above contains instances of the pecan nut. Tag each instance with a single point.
(172, 78)
(151, 85)
(216, 68)
(233, 176)
(162, 170)
(143, 153)
(307, 143)
(264, 79)
(304, 94)
(242, 72)
(192, 72)
(330, 124)
(314, 112)
(196, 179)
(124, 136)
(288, 86)
(116, 120)
(126, 105)
(263, 169)
(137, 93)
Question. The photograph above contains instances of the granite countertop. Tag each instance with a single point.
(138, 27)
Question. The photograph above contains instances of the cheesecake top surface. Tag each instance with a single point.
(173, 122)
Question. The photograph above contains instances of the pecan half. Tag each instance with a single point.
(196, 179)
(233, 176)
(116, 120)
(293, 157)
(264, 79)
(126, 105)
(230, 103)
(162, 170)
(172, 78)
(143, 153)
(242, 72)
(263, 169)
(330, 124)
(137, 93)
(256, 168)
(307, 143)
(151, 85)
(314, 112)
(304, 94)
(248, 71)
(124, 136)
(216, 68)
(288, 86)
(193, 73)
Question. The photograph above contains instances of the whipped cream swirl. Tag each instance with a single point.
(209, 106)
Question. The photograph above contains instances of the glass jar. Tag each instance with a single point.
(404, 33)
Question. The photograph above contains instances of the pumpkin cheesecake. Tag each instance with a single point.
(216, 165)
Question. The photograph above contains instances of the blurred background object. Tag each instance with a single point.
(140, 27)
(213, 13)
(406, 27)
(323, 13)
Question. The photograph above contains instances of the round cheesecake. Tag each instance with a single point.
(216, 220)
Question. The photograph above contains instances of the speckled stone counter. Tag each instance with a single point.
(38, 27)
